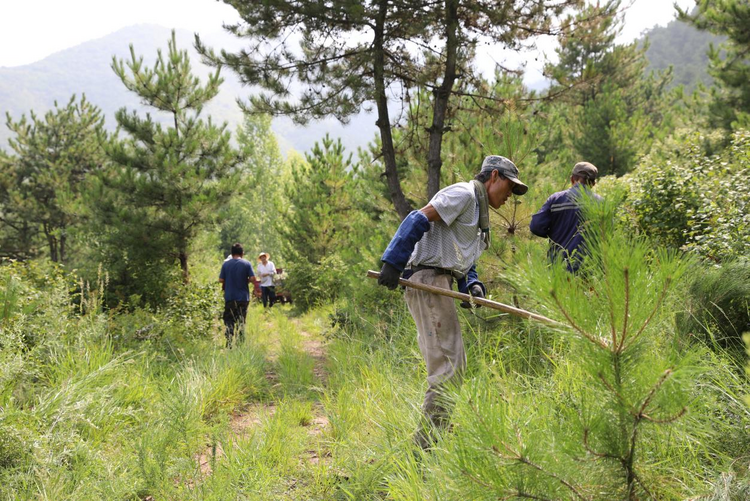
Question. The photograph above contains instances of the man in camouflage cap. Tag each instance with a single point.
(436, 245)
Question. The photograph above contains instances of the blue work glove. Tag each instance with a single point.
(475, 291)
(471, 278)
(389, 276)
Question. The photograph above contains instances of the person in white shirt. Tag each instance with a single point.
(266, 271)
(435, 246)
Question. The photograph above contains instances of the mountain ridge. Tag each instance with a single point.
(85, 69)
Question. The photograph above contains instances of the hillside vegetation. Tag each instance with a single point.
(117, 381)
(685, 49)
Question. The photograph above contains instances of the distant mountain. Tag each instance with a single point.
(85, 69)
(683, 47)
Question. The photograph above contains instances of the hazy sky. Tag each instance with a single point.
(30, 30)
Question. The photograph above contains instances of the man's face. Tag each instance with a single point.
(499, 190)
(263, 259)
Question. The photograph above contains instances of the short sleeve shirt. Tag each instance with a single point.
(454, 243)
(269, 267)
(235, 273)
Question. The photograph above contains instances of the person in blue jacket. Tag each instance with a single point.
(559, 219)
(436, 245)
(235, 276)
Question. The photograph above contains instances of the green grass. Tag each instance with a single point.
(91, 407)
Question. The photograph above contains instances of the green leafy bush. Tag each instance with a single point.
(720, 227)
(663, 197)
(312, 284)
(697, 202)
(195, 308)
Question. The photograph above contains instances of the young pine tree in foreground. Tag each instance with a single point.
(605, 422)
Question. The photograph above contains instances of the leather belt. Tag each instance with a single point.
(440, 271)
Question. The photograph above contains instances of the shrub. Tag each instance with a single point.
(194, 308)
(697, 202)
(312, 284)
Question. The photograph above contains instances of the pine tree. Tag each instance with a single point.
(617, 111)
(730, 61)
(354, 53)
(42, 185)
(326, 226)
(321, 221)
(169, 179)
(610, 425)
(18, 236)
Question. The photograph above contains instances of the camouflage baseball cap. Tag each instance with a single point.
(507, 169)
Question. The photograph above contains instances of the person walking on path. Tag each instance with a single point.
(436, 245)
(266, 271)
(559, 219)
(235, 277)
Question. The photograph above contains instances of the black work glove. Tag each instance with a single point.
(475, 291)
(389, 276)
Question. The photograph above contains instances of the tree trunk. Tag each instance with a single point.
(62, 245)
(442, 96)
(628, 429)
(183, 256)
(52, 243)
(402, 206)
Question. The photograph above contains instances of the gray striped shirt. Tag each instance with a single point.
(455, 242)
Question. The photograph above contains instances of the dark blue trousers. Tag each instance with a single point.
(268, 295)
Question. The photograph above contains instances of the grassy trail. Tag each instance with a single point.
(149, 407)
(289, 426)
(252, 417)
(335, 423)
(145, 406)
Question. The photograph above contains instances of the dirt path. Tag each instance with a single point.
(314, 347)
(251, 416)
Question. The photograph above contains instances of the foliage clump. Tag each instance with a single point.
(717, 305)
(696, 202)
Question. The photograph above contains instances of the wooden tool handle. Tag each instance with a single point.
(471, 299)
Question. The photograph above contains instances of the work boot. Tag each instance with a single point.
(423, 439)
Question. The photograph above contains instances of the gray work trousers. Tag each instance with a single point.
(440, 341)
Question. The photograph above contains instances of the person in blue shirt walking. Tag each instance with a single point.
(235, 276)
(559, 219)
